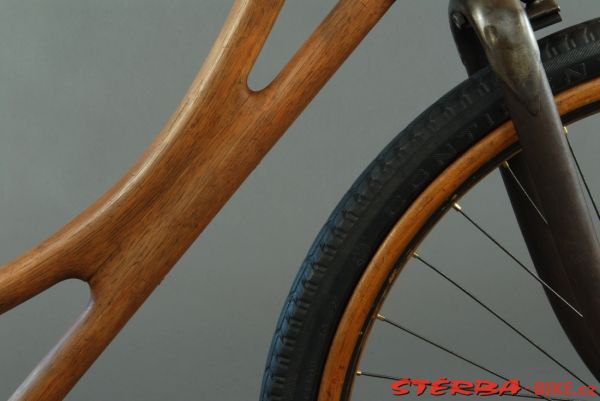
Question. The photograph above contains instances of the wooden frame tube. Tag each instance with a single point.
(127, 241)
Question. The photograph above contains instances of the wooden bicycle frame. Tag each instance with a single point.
(125, 243)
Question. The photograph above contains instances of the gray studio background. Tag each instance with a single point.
(84, 87)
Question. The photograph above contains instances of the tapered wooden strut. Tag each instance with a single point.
(127, 241)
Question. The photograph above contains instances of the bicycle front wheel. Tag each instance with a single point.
(375, 229)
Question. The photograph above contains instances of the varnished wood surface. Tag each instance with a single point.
(387, 256)
(127, 241)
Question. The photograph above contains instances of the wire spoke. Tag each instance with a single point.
(449, 351)
(500, 318)
(514, 177)
(585, 184)
(393, 378)
(459, 209)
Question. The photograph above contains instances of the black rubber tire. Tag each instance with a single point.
(380, 196)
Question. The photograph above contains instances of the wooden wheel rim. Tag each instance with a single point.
(380, 273)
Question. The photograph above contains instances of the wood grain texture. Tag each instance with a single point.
(359, 309)
(127, 241)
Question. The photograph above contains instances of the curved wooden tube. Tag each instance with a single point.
(128, 240)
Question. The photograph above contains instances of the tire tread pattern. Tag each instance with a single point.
(381, 194)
